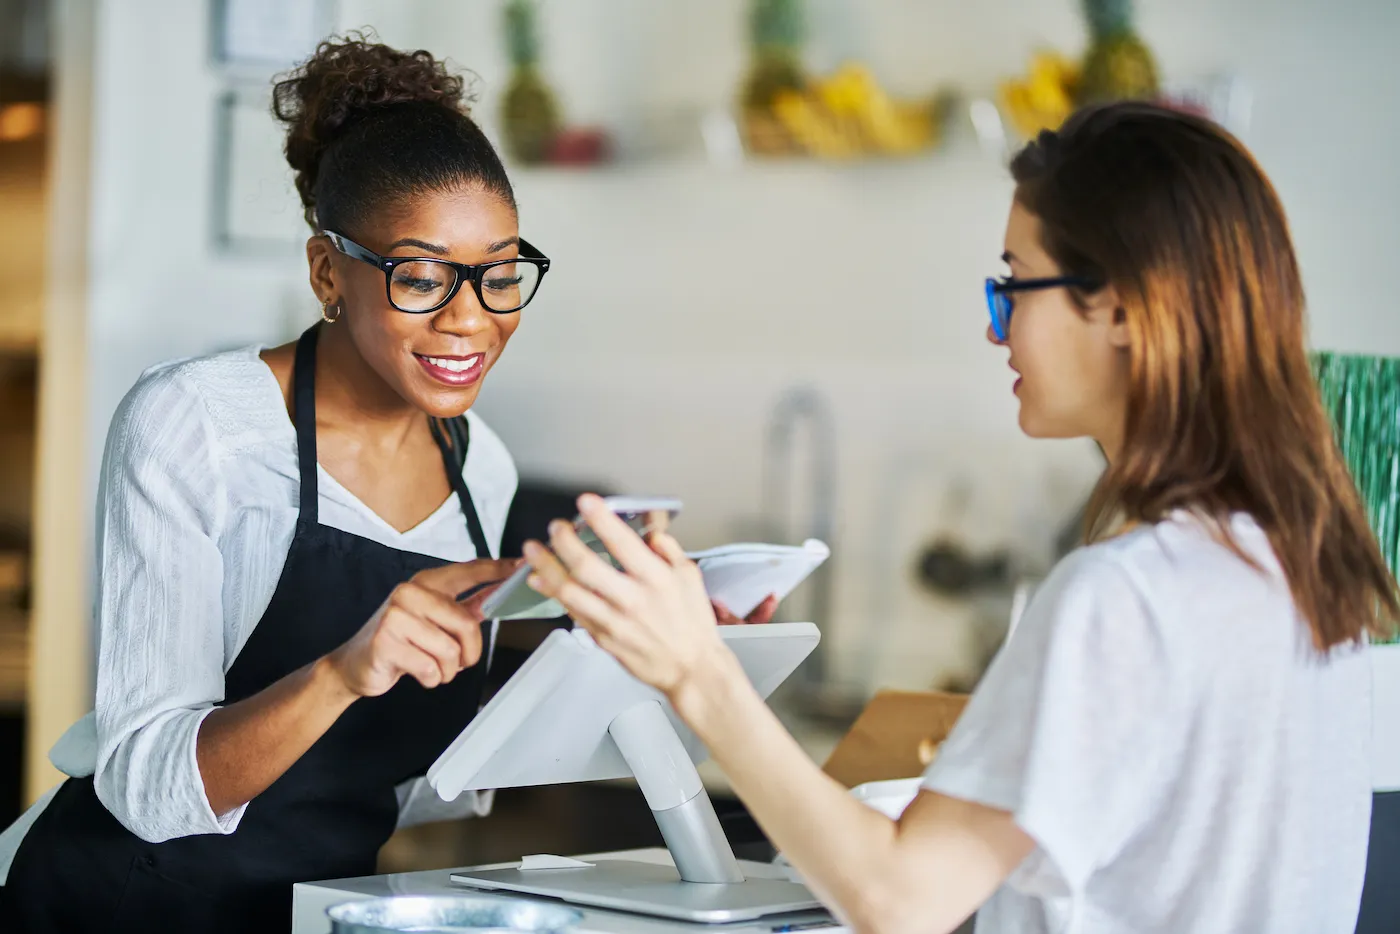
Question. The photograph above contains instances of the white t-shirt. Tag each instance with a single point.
(1161, 726)
(197, 505)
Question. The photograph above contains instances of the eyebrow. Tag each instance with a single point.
(440, 250)
(421, 244)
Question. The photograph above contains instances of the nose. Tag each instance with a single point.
(464, 314)
(992, 337)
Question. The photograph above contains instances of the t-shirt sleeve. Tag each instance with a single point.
(1068, 726)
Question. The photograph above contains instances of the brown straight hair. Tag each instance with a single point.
(1223, 413)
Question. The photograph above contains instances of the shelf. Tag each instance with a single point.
(960, 149)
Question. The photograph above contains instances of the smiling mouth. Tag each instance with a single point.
(453, 371)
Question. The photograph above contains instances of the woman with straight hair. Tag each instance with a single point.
(1177, 737)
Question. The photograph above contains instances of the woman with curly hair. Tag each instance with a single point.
(284, 535)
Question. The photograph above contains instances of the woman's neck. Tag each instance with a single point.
(350, 394)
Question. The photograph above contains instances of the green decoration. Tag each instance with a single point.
(1362, 396)
(777, 29)
(529, 111)
(1118, 66)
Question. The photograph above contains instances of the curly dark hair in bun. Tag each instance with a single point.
(368, 126)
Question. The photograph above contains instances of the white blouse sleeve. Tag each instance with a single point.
(160, 620)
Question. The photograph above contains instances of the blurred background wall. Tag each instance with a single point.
(687, 296)
(690, 294)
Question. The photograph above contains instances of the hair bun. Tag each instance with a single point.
(346, 79)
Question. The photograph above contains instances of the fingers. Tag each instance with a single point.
(763, 613)
(442, 651)
(622, 543)
(471, 605)
(453, 579)
(577, 560)
(552, 579)
(670, 550)
(723, 616)
(404, 657)
(445, 616)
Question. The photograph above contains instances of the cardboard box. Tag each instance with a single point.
(896, 736)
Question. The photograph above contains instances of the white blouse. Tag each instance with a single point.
(197, 505)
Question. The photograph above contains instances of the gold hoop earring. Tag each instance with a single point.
(325, 312)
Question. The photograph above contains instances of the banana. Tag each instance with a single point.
(812, 128)
(1045, 97)
(847, 114)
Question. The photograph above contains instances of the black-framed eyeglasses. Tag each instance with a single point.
(419, 284)
(1000, 302)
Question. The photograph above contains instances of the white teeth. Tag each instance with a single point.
(456, 366)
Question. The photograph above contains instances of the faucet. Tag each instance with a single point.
(796, 406)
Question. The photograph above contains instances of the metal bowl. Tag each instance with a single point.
(450, 914)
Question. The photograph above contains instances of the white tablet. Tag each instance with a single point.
(549, 724)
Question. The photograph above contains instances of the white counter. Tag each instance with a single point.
(311, 899)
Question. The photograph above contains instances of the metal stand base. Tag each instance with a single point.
(649, 889)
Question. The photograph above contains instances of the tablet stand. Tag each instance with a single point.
(573, 714)
(677, 799)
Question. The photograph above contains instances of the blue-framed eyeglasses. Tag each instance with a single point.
(1000, 303)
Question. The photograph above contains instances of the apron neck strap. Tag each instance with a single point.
(304, 417)
(453, 438)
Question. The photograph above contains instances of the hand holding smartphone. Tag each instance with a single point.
(515, 600)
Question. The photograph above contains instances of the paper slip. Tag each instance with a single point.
(544, 861)
(741, 576)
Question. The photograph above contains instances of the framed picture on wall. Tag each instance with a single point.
(255, 208)
(268, 35)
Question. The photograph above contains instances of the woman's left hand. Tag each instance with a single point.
(656, 618)
(763, 613)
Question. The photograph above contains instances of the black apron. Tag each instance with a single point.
(79, 870)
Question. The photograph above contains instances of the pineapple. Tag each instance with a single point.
(1118, 66)
(776, 29)
(528, 110)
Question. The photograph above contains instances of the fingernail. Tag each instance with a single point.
(556, 526)
(531, 549)
(533, 582)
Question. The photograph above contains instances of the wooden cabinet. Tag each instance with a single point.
(23, 242)
(23, 251)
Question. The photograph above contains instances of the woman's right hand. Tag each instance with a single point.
(421, 630)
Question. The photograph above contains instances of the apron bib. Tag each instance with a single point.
(79, 870)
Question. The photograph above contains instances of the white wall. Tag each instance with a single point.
(686, 297)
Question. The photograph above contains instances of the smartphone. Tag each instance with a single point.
(643, 514)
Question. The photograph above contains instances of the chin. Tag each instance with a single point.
(435, 399)
(1047, 429)
(448, 403)
(1035, 426)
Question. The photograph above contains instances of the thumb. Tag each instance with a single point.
(454, 580)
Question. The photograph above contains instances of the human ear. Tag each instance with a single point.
(1105, 302)
(322, 271)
